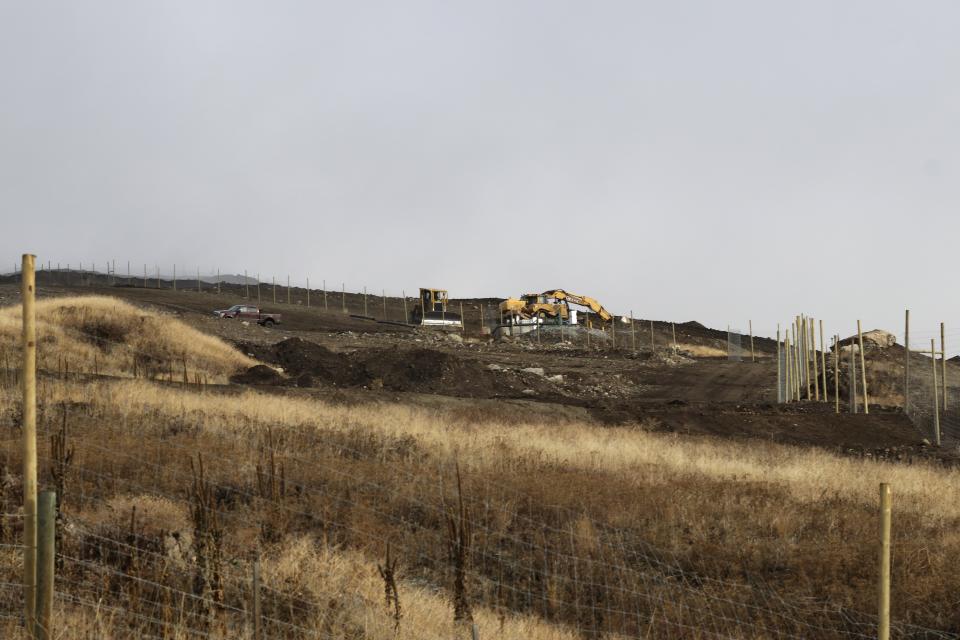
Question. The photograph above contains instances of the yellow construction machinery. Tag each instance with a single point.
(584, 301)
(554, 304)
(431, 310)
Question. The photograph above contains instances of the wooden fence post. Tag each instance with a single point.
(633, 332)
(816, 376)
(257, 606)
(676, 348)
(823, 363)
(46, 563)
(943, 363)
(343, 296)
(853, 380)
(806, 356)
(883, 595)
(779, 376)
(906, 362)
(325, 307)
(753, 357)
(788, 366)
(836, 373)
(258, 289)
(406, 318)
(863, 370)
(29, 388)
(936, 400)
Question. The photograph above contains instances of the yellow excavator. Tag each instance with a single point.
(549, 304)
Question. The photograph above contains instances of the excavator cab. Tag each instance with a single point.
(431, 310)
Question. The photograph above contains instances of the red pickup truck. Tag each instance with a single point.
(249, 312)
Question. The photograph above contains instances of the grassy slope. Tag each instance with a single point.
(574, 526)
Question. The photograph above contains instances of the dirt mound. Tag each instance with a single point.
(429, 371)
(308, 361)
(418, 370)
(258, 374)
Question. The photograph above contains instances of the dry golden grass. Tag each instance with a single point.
(578, 530)
(640, 457)
(99, 334)
(702, 351)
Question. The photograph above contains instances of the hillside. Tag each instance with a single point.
(641, 495)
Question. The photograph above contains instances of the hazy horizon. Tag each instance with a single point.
(701, 161)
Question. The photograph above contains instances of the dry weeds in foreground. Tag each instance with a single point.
(600, 530)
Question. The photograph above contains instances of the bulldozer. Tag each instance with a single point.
(431, 310)
(553, 304)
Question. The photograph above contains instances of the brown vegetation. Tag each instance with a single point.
(555, 528)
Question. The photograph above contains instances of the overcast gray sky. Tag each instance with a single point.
(717, 161)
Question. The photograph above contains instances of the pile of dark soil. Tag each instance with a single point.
(258, 374)
(428, 371)
(397, 369)
(308, 362)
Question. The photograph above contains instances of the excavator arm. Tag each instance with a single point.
(585, 301)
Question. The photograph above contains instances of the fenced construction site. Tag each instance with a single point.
(168, 474)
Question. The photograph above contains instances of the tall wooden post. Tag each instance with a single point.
(943, 363)
(29, 387)
(633, 333)
(46, 563)
(218, 280)
(653, 346)
(779, 374)
(383, 296)
(836, 373)
(463, 321)
(258, 289)
(144, 274)
(883, 591)
(823, 363)
(673, 327)
(906, 362)
(805, 325)
(406, 318)
(753, 357)
(324, 283)
(816, 376)
(936, 401)
(343, 296)
(863, 370)
(853, 380)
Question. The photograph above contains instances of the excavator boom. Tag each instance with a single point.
(585, 301)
